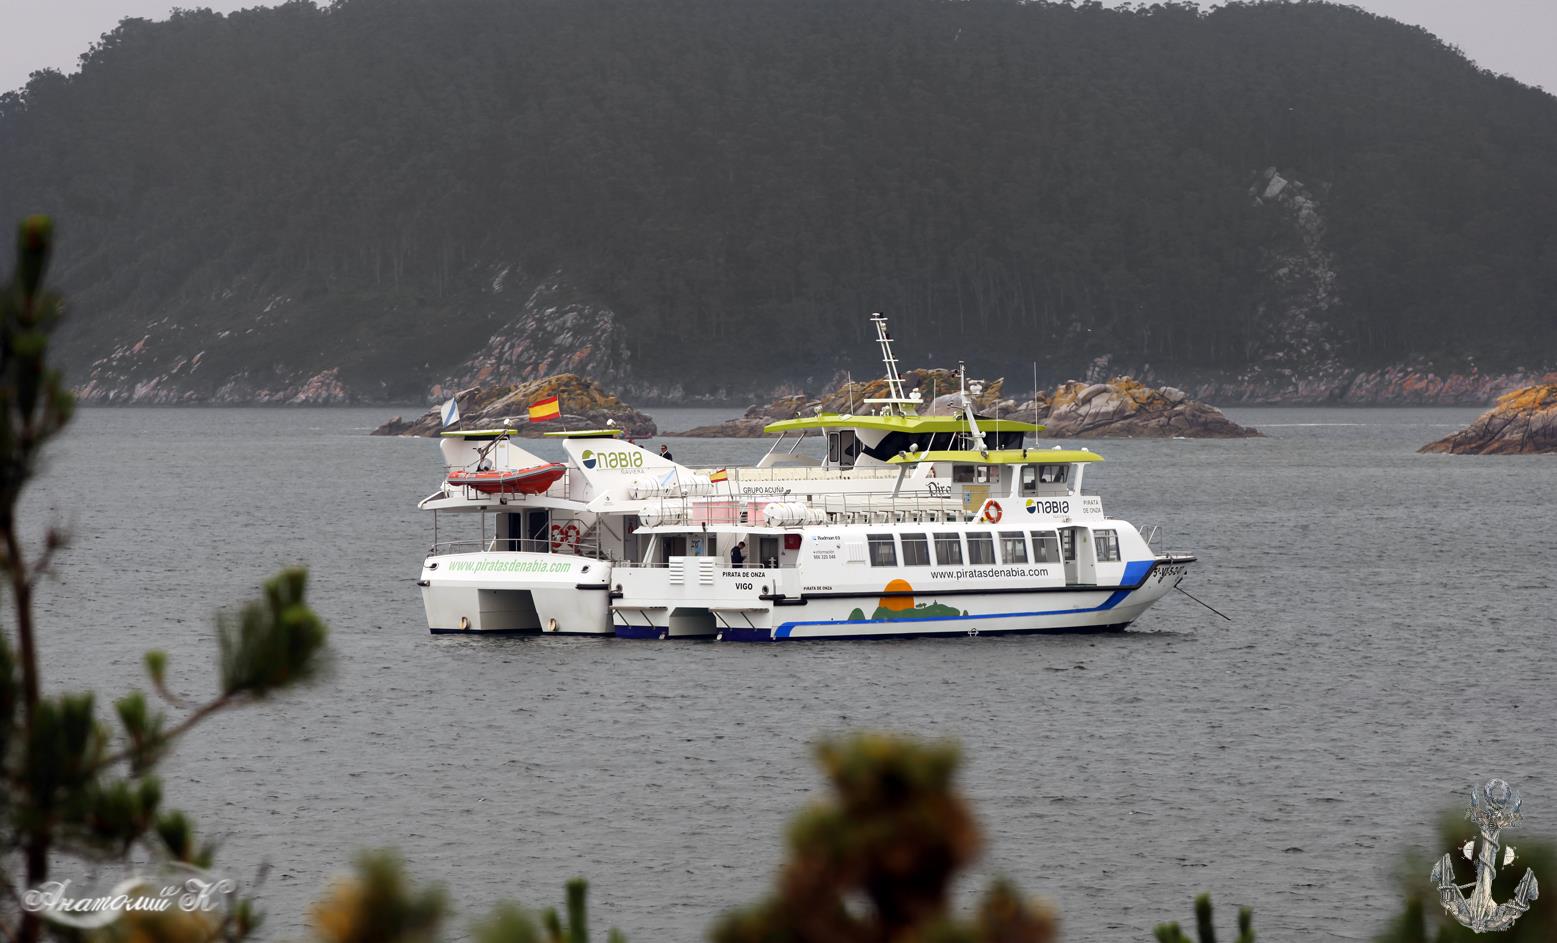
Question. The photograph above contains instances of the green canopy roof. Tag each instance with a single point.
(896, 424)
(584, 434)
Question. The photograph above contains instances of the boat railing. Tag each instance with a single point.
(806, 473)
(1157, 540)
(583, 548)
(720, 561)
(852, 507)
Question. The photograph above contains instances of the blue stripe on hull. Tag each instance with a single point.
(762, 635)
(1135, 572)
(639, 631)
(1114, 599)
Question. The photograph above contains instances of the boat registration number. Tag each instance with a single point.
(1170, 571)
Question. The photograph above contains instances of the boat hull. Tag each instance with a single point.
(762, 617)
(980, 615)
(516, 593)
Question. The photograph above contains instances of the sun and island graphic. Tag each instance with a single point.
(898, 603)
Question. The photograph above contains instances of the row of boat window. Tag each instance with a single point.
(1032, 475)
(977, 549)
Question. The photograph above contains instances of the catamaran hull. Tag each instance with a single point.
(1005, 614)
(516, 593)
(949, 613)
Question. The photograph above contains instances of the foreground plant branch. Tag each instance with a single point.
(70, 792)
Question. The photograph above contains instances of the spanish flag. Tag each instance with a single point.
(545, 409)
(720, 475)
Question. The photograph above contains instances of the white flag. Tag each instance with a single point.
(451, 412)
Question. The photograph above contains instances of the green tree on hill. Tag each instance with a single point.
(341, 185)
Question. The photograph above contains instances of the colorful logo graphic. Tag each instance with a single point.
(1032, 506)
(898, 603)
(589, 462)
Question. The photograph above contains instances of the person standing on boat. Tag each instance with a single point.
(738, 555)
(665, 452)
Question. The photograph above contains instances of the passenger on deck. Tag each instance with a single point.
(738, 555)
(665, 453)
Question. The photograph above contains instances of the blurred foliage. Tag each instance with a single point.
(1205, 928)
(378, 905)
(877, 862)
(77, 790)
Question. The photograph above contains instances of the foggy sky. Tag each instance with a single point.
(1509, 36)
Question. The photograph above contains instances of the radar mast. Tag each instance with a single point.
(896, 402)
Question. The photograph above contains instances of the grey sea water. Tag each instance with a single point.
(1392, 642)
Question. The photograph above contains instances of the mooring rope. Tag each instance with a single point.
(1203, 603)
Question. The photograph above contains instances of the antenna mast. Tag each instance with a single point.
(896, 401)
(967, 404)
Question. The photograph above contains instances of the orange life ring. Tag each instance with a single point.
(565, 535)
(992, 512)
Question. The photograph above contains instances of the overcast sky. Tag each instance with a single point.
(1512, 36)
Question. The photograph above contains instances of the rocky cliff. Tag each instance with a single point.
(1121, 407)
(1523, 422)
(935, 387)
(1126, 408)
(584, 405)
(280, 343)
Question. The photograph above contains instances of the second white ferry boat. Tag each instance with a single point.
(1034, 554)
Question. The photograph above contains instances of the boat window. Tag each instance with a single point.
(981, 548)
(1068, 544)
(843, 447)
(1046, 549)
(883, 552)
(1107, 544)
(1029, 479)
(1052, 474)
(1013, 546)
(962, 473)
(895, 442)
(916, 550)
(948, 549)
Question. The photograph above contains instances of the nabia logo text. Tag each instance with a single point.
(612, 459)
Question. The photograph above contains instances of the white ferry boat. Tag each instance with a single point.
(1035, 555)
(616, 540)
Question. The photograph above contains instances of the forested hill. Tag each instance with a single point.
(371, 198)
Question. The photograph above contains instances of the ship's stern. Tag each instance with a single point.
(516, 593)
